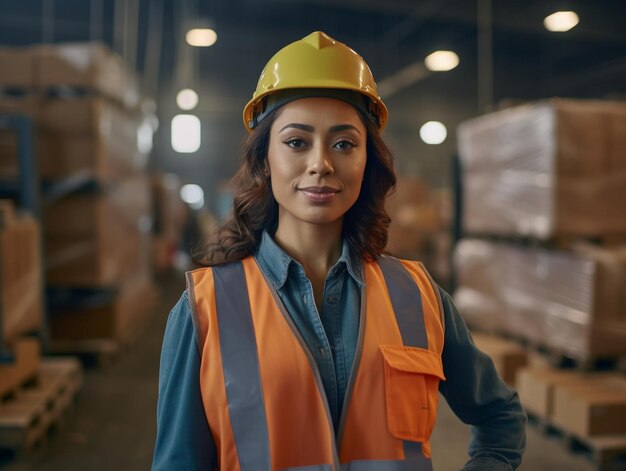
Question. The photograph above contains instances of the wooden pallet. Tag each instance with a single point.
(23, 368)
(26, 417)
(555, 358)
(607, 452)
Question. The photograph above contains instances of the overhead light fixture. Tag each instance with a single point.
(441, 61)
(433, 132)
(201, 37)
(187, 99)
(144, 137)
(561, 21)
(193, 195)
(186, 133)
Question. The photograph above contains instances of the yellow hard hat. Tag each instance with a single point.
(316, 62)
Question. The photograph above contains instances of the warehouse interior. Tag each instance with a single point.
(121, 128)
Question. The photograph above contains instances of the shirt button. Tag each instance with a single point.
(332, 299)
(304, 299)
(323, 352)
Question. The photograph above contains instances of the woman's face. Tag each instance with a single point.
(316, 159)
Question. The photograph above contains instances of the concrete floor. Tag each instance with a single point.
(112, 424)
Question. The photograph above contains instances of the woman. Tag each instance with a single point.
(302, 346)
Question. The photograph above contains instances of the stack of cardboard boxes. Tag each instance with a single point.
(97, 199)
(544, 261)
(587, 408)
(420, 225)
(537, 177)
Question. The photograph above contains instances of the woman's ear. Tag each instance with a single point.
(266, 170)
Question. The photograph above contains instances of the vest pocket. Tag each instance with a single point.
(412, 378)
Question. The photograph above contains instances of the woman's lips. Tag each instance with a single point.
(319, 194)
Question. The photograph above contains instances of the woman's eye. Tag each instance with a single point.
(345, 144)
(295, 143)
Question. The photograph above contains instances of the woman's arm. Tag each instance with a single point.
(183, 438)
(479, 397)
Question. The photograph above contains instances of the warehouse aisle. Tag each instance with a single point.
(112, 424)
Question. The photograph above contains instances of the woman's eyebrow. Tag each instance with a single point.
(336, 128)
(304, 127)
(343, 127)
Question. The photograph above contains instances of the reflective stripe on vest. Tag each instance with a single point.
(406, 300)
(267, 374)
(241, 368)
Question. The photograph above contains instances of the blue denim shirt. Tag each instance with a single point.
(473, 388)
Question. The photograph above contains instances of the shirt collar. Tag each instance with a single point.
(275, 261)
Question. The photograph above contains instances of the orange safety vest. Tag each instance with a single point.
(262, 392)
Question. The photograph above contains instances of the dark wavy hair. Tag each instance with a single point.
(365, 224)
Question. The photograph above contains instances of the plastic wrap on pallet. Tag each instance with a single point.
(544, 169)
(572, 303)
(476, 296)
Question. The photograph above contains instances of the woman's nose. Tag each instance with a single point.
(320, 163)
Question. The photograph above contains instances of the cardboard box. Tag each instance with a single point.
(416, 218)
(124, 208)
(99, 239)
(90, 115)
(118, 319)
(90, 134)
(82, 134)
(26, 353)
(17, 68)
(556, 167)
(591, 409)
(537, 386)
(27, 105)
(99, 261)
(96, 154)
(20, 274)
(476, 296)
(571, 302)
(91, 66)
(508, 356)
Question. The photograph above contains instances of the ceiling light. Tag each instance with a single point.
(442, 61)
(433, 132)
(187, 99)
(193, 195)
(201, 37)
(186, 136)
(144, 138)
(561, 21)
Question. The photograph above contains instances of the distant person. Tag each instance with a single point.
(302, 346)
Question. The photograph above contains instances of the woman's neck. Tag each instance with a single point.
(316, 247)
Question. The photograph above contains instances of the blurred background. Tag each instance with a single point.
(121, 125)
